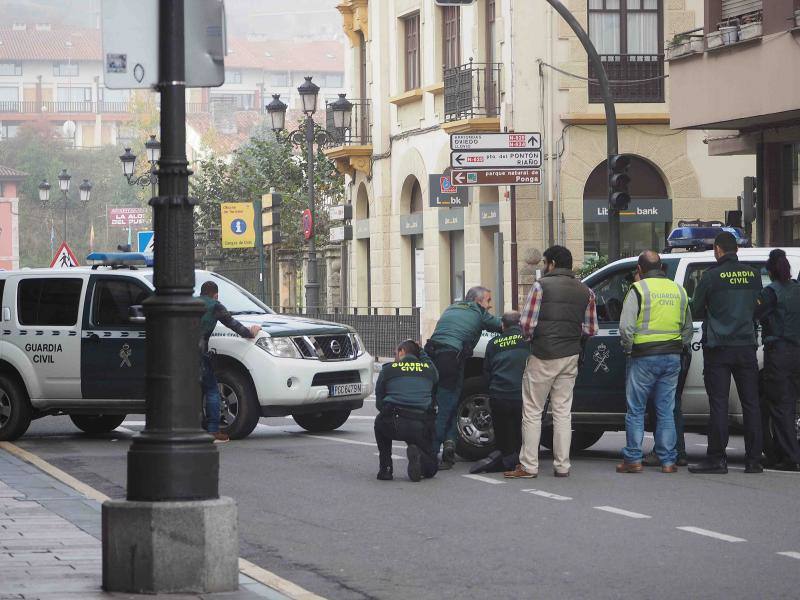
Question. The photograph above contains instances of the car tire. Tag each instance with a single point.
(96, 424)
(582, 439)
(238, 403)
(15, 409)
(322, 421)
(474, 421)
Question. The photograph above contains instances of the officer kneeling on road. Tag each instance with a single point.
(450, 345)
(404, 395)
(504, 365)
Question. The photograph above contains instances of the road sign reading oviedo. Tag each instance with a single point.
(490, 177)
(496, 159)
(496, 141)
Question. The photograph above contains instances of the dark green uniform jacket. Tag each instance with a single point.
(726, 299)
(504, 364)
(215, 311)
(779, 312)
(461, 324)
(407, 383)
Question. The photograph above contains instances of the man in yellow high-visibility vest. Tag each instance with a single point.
(655, 325)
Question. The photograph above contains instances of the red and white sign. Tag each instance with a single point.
(133, 216)
(308, 224)
(496, 159)
(496, 141)
(64, 258)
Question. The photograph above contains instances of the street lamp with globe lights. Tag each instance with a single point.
(306, 136)
(128, 159)
(64, 180)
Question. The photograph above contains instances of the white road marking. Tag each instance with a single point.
(342, 440)
(126, 430)
(365, 417)
(712, 534)
(790, 554)
(142, 423)
(706, 446)
(394, 456)
(483, 479)
(624, 513)
(544, 494)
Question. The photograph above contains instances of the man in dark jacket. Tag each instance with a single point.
(404, 395)
(215, 312)
(726, 299)
(559, 312)
(456, 334)
(504, 364)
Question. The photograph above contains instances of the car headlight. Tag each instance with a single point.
(282, 347)
(358, 345)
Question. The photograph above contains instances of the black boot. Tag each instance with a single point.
(710, 466)
(385, 473)
(448, 455)
(414, 462)
(491, 464)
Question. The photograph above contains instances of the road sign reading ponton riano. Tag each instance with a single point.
(491, 177)
(496, 159)
(496, 141)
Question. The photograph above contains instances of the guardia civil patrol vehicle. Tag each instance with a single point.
(599, 397)
(72, 341)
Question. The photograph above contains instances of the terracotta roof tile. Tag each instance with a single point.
(313, 57)
(11, 173)
(53, 44)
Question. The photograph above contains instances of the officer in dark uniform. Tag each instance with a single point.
(726, 299)
(451, 344)
(504, 365)
(779, 313)
(404, 395)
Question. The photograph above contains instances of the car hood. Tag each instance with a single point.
(284, 325)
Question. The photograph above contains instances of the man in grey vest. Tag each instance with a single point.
(559, 313)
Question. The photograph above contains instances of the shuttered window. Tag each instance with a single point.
(451, 36)
(411, 27)
(737, 8)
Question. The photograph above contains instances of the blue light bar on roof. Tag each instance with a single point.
(128, 259)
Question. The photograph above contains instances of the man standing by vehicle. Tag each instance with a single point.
(404, 397)
(451, 344)
(215, 312)
(655, 327)
(559, 313)
(726, 298)
(504, 365)
(779, 313)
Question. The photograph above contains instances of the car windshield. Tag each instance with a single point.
(236, 299)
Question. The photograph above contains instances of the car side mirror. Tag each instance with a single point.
(136, 315)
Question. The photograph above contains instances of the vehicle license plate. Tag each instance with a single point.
(345, 389)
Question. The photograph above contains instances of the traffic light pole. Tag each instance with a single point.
(612, 141)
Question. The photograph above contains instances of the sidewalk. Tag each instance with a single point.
(50, 543)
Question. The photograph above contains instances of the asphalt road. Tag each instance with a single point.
(311, 510)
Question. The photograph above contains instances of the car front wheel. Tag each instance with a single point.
(96, 424)
(474, 421)
(15, 409)
(239, 408)
(322, 421)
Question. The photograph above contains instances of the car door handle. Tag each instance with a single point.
(93, 337)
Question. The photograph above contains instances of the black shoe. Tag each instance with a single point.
(414, 462)
(448, 456)
(682, 461)
(786, 466)
(753, 466)
(491, 464)
(385, 474)
(651, 460)
(710, 466)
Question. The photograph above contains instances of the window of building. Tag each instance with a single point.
(412, 58)
(74, 94)
(278, 79)
(627, 35)
(65, 69)
(112, 300)
(457, 269)
(48, 301)
(8, 131)
(9, 94)
(10, 68)
(107, 95)
(732, 9)
(233, 76)
(333, 80)
(451, 36)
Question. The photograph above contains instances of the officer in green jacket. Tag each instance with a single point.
(451, 344)
(726, 299)
(504, 365)
(404, 395)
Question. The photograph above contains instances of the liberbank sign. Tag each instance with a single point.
(639, 210)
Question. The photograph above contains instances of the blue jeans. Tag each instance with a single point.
(657, 376)
(210, 393)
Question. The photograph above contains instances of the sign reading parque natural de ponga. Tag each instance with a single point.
(492, 159)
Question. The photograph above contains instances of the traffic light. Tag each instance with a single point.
(271, 218)
(748, 199)
(618, 180)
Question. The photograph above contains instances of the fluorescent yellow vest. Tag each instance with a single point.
(661, 312)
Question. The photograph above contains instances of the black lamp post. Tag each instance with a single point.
(153, 149)
(64, 180)
(307, 135)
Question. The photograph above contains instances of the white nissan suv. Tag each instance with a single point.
(70, 343)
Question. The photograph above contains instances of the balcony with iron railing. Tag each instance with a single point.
(634, 78)
(472, 92)
(351, 149)
(26, 107)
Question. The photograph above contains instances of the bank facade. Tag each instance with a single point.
(419, 73)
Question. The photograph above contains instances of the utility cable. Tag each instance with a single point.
(618, 82)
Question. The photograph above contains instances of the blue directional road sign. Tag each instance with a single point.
(145, 241)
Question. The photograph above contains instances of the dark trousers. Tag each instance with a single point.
(507, 423)
(410, 426)
(718, 367)
(450, 366)
(781, 391)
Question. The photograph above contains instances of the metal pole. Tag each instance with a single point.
(499, 284)
(260, 245)
(612, 141)
(514, 274)
(173, 458)
(312, 285)
(65, 217)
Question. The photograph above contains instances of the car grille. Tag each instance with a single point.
(326, 347)
(336, 377)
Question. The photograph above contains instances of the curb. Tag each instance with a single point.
(261, 575)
